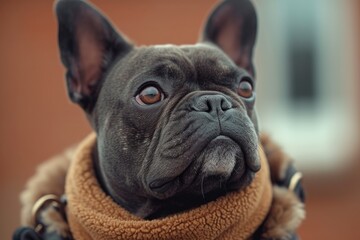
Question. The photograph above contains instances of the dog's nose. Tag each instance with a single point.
(211, 103)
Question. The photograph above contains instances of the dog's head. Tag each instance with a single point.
(175, 125)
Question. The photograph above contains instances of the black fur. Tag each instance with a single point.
(199, 142)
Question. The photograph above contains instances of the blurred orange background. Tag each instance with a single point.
(38, 121)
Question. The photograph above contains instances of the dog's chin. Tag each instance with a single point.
(220, 168)
(223, 169)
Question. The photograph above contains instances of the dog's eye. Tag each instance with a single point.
(245, 88)
(149, 95)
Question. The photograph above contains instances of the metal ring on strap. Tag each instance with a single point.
(43, 202)
(295, 179)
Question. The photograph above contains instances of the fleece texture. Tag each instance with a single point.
(94, 215)
(284, 217)
(48, 179)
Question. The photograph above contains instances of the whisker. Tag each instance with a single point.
(202, 187)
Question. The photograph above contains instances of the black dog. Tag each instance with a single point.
(176, 125)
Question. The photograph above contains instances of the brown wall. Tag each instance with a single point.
(37, 120)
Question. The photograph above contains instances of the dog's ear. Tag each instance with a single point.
(232, 26)
(88, 46)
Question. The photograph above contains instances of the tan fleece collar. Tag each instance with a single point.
(94, 215)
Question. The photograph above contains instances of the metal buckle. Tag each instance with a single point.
(42, 203)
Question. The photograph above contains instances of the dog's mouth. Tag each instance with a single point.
(221, 166)
(212, 163)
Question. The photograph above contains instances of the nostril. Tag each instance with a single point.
(201, 105)
(209, 107)
(225, 104)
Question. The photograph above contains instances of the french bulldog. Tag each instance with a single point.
(176, 125)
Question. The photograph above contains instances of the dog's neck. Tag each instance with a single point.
(151, 208)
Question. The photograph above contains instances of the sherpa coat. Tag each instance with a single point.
(273, 209)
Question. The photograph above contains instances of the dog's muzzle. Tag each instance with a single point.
(207, 139)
